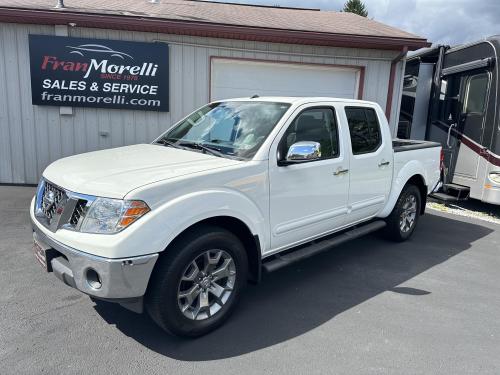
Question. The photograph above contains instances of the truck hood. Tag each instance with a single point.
(114, 172)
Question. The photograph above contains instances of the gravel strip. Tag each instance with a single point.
(470, 208)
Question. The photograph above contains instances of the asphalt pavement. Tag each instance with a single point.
(427, 306)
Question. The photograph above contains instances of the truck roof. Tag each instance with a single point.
(297, 99)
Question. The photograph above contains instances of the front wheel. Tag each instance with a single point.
(403, 219)
(197, 282)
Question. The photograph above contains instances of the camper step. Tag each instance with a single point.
(461, 192)
(305, 251)
(456, 187)
(443, 197)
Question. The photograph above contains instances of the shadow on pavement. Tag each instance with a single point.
(295, 300)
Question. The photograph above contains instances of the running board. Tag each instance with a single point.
(279, 261)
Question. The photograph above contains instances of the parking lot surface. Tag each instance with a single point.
(429, 305)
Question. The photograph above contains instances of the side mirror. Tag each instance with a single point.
(303, 151)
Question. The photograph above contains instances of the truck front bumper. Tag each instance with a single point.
(121, 280)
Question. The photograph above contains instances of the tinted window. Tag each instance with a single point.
(364, 129)
(315, 125)
(476, 93)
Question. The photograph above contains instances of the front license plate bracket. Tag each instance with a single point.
(43, 254)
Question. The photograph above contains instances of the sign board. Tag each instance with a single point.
(79, 72)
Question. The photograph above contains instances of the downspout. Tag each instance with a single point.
(392, 77)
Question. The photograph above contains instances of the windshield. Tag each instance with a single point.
(230, 129)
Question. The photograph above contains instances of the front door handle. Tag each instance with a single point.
(384, 163)
(340, 171)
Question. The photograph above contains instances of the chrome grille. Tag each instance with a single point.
(79, 212)
(57, 208)
(52, 199)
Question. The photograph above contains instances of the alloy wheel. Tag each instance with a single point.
(206, 284)
(408, 214)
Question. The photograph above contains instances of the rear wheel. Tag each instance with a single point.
(197, 282)
(403, 219)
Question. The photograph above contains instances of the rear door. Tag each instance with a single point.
(371, 157)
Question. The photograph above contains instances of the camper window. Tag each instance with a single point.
(449, 99)
(476, 93)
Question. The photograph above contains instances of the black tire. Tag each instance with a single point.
(394, 230)
(162, 300)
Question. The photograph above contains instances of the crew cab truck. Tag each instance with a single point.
(236, 188)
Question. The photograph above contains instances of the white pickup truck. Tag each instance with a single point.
(236, 188)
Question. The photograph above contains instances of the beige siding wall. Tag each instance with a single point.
(33, 136)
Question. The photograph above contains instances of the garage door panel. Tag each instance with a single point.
(237, 78)
(237, 92)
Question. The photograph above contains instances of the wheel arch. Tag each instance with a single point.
(236, 226)
(410, 174)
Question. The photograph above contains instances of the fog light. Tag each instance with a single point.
(93, 279)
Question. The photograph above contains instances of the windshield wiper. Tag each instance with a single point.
(212, 150)
(168, 143)
(205, 148)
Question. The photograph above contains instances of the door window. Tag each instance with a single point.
(476, 94)
(313, 125)
(364, 129)
(449, 96)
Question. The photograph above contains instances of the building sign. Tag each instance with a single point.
(80, 72)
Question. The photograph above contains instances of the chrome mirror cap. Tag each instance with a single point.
(303, 151)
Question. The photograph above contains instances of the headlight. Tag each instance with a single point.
(107, 215)
(495, 177)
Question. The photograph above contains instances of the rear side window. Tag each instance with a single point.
(364, 129)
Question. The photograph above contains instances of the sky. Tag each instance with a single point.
(440, 21)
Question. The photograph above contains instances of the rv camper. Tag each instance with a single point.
(450, 96)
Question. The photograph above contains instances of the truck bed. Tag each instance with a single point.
(426, 154)
(401, 145)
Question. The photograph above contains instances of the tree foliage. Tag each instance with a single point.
(355, 6)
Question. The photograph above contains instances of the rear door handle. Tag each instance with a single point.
(340, 171)
(383, 163)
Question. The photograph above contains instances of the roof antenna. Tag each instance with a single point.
(254, 96)
(60, 4)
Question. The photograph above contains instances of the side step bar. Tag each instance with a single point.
(279, 261)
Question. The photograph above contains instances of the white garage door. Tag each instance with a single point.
(232, 78)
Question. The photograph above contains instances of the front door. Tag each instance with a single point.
(308, 199)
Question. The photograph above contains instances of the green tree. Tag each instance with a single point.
(355, 6)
